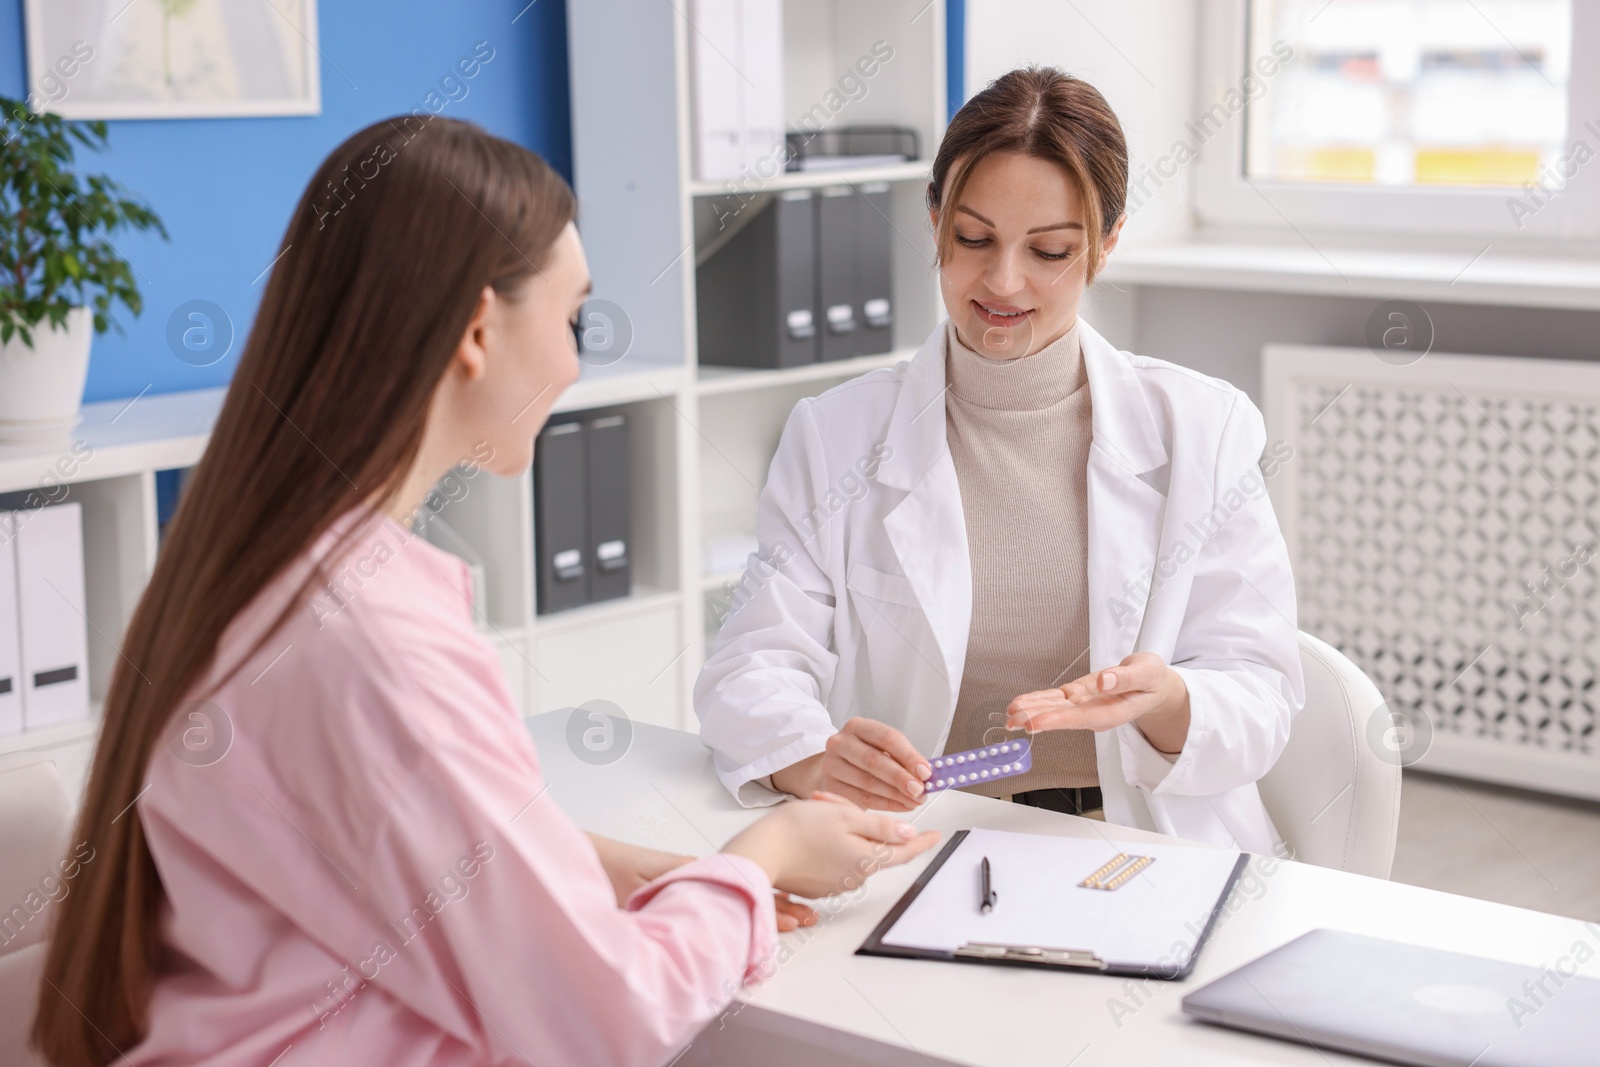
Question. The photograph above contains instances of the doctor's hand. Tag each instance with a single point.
(1142, 689)
(867, 762)
(827, 845)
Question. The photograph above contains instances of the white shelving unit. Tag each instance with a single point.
(701, 436)
(109, 467)
(643, 214)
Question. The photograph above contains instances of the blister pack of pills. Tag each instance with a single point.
(954, 769)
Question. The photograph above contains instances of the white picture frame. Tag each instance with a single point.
(170, 59)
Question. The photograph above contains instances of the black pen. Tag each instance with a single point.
(986, 904)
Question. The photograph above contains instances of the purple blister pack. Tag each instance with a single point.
(955, 769)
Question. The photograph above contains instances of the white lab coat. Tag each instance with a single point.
(860, 597)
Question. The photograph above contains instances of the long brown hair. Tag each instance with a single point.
(380, 271)
(1048, 114)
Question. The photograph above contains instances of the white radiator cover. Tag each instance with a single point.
(1443, 520)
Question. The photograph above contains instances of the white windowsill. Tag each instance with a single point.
(1328, 270)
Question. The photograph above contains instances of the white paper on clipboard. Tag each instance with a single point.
(1154, 919)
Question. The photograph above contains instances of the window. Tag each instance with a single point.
(1466, 116)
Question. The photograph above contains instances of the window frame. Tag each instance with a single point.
(1225, 198)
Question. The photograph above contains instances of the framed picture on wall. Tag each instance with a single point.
(162, 59)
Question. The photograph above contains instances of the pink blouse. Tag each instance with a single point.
(361, 865)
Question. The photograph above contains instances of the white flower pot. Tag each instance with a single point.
(41, 388)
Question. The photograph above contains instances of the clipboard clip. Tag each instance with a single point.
(1056, 957)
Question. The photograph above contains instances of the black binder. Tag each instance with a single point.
(837, 285)
(796, 226)
(1030, 955)
(875, 282)
(559, 487)
(756, 295)
(608, 485)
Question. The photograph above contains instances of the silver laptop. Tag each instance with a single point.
(1411, 1005)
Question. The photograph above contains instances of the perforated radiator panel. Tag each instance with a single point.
(1442, 521)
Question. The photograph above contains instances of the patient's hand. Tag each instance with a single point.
(791, 913)
(1142, 689)
(629, 867)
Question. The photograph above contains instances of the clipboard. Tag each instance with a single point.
(1080, 958)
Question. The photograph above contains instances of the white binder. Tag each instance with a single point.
(737, 56)
(10, 649)
(718, 136)
(53, 616)
(761, 50)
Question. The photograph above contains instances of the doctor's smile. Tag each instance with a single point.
(997, 314)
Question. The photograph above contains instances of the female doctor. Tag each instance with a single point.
(316, 831)
(1020, 528)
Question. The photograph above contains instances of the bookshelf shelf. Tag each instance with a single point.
(51, 736)
(915, 170)
(629, 380)
(643, 600)
(117, 438)
(720, 381)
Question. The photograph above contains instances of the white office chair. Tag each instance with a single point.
(35, 824)
(1334, 794)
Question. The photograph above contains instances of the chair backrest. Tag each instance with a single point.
(1334, 794)
(35, 824)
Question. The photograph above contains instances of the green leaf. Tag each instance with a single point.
(57, 226)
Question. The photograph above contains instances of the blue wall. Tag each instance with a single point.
(955, 55)
(225, 187)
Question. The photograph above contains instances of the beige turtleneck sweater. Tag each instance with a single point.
(1019, 433)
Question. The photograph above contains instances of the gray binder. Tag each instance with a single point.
(755, 297)
(875, 282)
(559, 512)
(837, 285)
(608, 490)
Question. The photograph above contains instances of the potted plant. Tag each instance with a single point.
(59, 271)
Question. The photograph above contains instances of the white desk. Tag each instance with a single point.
(825, 1005)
